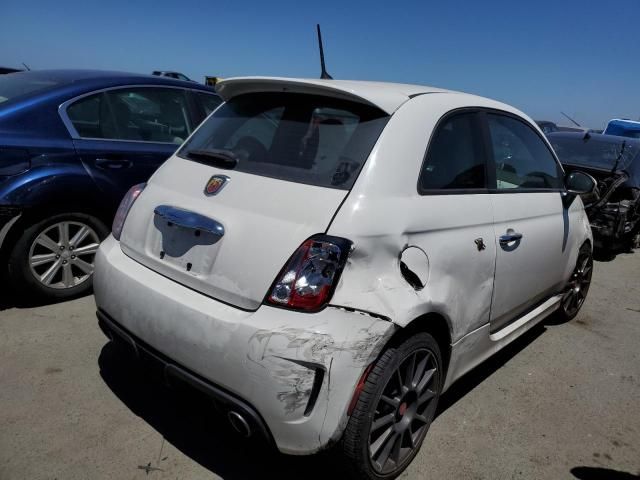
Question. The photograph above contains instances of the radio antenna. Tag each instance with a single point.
(572, 120)
(323, 73)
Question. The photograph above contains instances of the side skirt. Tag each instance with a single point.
(480, 344)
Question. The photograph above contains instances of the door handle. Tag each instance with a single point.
(510, 237)
(113, 163)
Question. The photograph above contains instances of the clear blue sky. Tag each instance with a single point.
(542, 56)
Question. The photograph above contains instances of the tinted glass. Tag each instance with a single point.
(85, 115)
(595, 151)
(18, 84)
(208, 101)
(150, 114)
(454, 159)
(295, 137)
(522, 158)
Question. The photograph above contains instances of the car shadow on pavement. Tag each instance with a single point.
(483, 371)
(598, 473)
(11, 298)
(603, 255)
(189, 421)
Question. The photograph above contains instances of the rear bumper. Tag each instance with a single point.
(293, 373)
(170, 369)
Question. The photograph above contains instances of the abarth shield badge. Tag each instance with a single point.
(215, 184)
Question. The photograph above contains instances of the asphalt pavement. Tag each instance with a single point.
(563, 402)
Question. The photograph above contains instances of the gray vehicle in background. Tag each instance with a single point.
(614, 162)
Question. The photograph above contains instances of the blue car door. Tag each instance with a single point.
(124, 134)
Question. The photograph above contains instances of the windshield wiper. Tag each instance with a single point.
(215, 157)
(615, 165)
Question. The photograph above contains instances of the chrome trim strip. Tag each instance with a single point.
(187, 219)
(62, 110)
(535, 315)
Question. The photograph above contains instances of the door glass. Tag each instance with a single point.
(454, 159)
(523, 160)
(150, 114)
(143, 114)
(85, 115)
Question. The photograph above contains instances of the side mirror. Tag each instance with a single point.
(582, 184)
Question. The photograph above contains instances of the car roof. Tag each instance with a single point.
(108, 78)
(386, 96)
(625, 122)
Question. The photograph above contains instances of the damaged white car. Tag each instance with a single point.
(324, 258)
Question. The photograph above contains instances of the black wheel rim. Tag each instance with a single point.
(578, 286)
(404, 411)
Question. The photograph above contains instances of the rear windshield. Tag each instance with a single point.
(300, 138)
(18, 84)
(596, 153)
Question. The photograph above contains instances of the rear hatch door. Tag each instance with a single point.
(261, 175)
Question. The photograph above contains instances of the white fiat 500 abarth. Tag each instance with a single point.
(324, 258)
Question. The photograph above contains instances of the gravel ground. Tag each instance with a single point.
(562, 402)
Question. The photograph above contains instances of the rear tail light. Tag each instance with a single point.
(309, 278)
(123, 209)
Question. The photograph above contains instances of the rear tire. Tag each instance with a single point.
(53, 258)
(395, 409)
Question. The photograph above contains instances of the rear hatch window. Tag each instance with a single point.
(16, 85)
(309, 139)
(592, 152)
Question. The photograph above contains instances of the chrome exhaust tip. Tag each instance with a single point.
(239, 424)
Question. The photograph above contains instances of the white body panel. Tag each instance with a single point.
(259, 217)
(529, 269)
(254, 355)
(384, 213)
(266, 356)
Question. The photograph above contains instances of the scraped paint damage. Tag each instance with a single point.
(292, 356)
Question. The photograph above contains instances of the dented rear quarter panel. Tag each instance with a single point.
(384, 213)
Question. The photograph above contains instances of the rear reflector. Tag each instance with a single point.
(123, 210)
(358, 390)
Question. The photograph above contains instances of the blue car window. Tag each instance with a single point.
(141, 114)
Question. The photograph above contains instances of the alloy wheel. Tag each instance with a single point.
(62, 256)
(404, 411)
(579, 284)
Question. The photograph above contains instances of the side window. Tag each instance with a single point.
(522, 159)
(455, 159)
(208, 101)
(150, 114)
(85, 116)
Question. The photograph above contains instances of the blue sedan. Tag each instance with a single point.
(71, 144)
